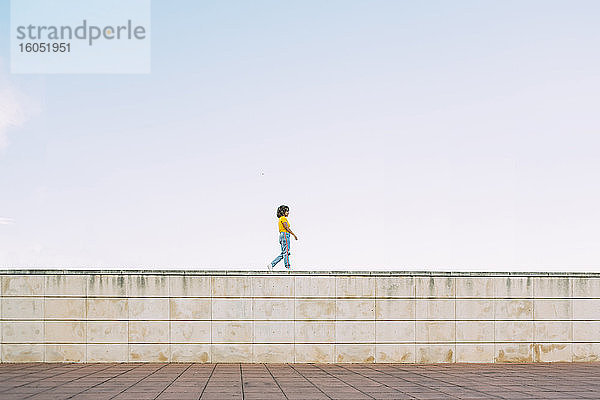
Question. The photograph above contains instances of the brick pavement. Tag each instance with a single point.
(187, 381)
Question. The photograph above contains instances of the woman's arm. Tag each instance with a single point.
(287, 228)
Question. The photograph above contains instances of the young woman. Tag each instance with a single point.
(284, 238)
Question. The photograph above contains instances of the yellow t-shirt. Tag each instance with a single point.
(283, 219)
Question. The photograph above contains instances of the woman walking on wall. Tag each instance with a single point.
(284, 238)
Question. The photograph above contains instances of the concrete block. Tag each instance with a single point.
(273, 353)
(273, 286)
(315, 309)
(513, 309)
(474, 309)
(586, 309)
(158, 353)
(553, 331)
(22, 308)
(395, 309)
(395, 353)
(552, 287)
(586, 287)
(22, 285)
(271, 309)
(435, 353)
(513, 287)
(64, 353)
(354, 353)
(231, 286)
(23, 332)
(475, 331)
(435, 309)
(553, 352)
(65, 308)
(478, 287)
(513, 352)
(107, 309)
(231, 309)
(355, 286)
(107, 285)
(586, 331)
(64, 332)
(273, 332)
(586, 352)
(107, 353)
(22, 353)
(66, 285)
(148, 331)
(310, 331)
(197, 353)
(107, 332)
(314, 353)
(190, 331)
(395, 286)
(258, 319)
(189, 286)
(474, 353)
(395, 331)
(231, 353)
(435, 287)
(189, 308)
(148, 308)
(435, 331)
(549, 309)
(355, 309)
(514, 331)
(148, 286)
(315, 286)
(232, 332)
(354, 331)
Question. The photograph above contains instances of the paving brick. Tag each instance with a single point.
(191, 381)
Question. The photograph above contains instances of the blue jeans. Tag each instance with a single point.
(284, 241)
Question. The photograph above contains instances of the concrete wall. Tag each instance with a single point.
(96, 316)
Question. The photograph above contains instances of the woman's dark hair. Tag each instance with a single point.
(281, 210)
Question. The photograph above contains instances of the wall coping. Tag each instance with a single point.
(299, 273)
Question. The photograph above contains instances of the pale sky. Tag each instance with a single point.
(404, 135)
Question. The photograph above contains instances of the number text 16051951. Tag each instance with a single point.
(45, 47)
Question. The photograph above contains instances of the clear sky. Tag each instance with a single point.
(452, 135)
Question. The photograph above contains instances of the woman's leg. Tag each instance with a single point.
(276, 260)
(285, 250)
(280, 256)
